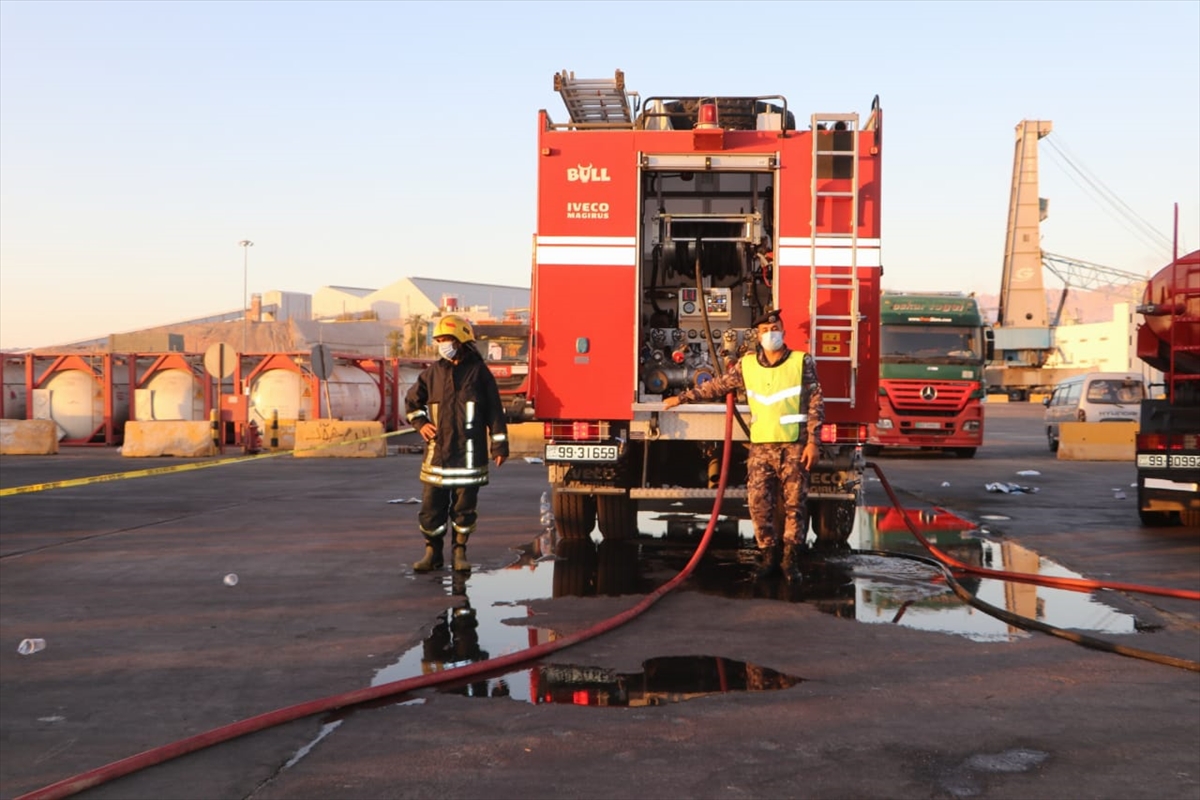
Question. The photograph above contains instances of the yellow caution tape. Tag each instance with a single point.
(145, 473)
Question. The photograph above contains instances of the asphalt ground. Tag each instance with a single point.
(146, 645)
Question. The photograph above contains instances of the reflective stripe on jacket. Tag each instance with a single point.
(774, 395)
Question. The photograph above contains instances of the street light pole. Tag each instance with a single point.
(245, 244)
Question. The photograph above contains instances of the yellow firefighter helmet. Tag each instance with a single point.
(456, 326)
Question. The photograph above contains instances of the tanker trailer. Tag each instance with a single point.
(353, 394)
(1168, 439)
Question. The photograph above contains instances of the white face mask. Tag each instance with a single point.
(447, 350)
(772, 340)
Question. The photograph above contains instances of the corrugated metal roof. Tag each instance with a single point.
(354, 290)
(497, 298)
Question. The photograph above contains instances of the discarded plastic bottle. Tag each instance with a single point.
(545, 503)
(231, 579)
(28, 647)
(547, 519)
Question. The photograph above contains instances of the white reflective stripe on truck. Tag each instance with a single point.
(618, 251)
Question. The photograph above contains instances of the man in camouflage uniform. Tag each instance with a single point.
(786, 412)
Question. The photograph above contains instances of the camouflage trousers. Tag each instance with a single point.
(776, 478)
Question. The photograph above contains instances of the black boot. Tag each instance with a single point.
(433, 558)
(791, 563)
(768, 562)
(460, 553)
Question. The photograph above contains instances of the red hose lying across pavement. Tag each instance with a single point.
(1036, 625)
(1071, 584)
(158, 755)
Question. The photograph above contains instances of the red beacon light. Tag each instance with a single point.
(707, 117)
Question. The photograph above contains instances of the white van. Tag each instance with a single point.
(1094, 397)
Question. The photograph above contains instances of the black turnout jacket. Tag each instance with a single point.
(462, 400)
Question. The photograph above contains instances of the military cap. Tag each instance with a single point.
(767, 317)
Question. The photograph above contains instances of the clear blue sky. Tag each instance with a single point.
(360, 143)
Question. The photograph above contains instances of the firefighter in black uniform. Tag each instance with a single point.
(786, 412)
(455, 406)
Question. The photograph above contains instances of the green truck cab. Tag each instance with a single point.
(932, 352)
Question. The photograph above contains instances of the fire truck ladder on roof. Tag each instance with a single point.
(595, 102)
(839, 285)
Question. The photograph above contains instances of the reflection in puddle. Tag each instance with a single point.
(865, 587)
(661, 681)
(877, 589)
(883, 598)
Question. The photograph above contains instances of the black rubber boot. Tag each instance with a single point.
(460, 553)
(768, 563)
(791, 563)
(433, 558)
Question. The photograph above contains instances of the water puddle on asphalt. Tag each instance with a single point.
(488, 612)
(879, 589)
(475, 629)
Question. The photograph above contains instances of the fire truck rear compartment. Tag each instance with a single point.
(704, 272)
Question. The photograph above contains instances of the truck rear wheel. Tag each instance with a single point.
(617, 515)
(833, 521)
(575, 514)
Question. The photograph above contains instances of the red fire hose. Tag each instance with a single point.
(1071, 584)
(158, 755)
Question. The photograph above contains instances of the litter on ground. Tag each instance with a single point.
(1010, 488)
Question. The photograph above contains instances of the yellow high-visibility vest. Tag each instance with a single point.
(774, 396)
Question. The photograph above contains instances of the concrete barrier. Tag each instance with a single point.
(1097, 441)
(526, 439)
(28, 437)
(282, 438)
(320, 438)
(166, 437)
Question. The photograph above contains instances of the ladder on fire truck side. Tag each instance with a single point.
(841, 287)
(595, 102)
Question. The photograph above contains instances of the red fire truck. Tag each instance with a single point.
(1168, 439)
(664, 226)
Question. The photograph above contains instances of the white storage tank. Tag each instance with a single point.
(353, 393)
(14, 391)
(171, 394)
(408, 374)
(74, 399)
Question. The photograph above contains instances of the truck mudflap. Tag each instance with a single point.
(834, 484)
